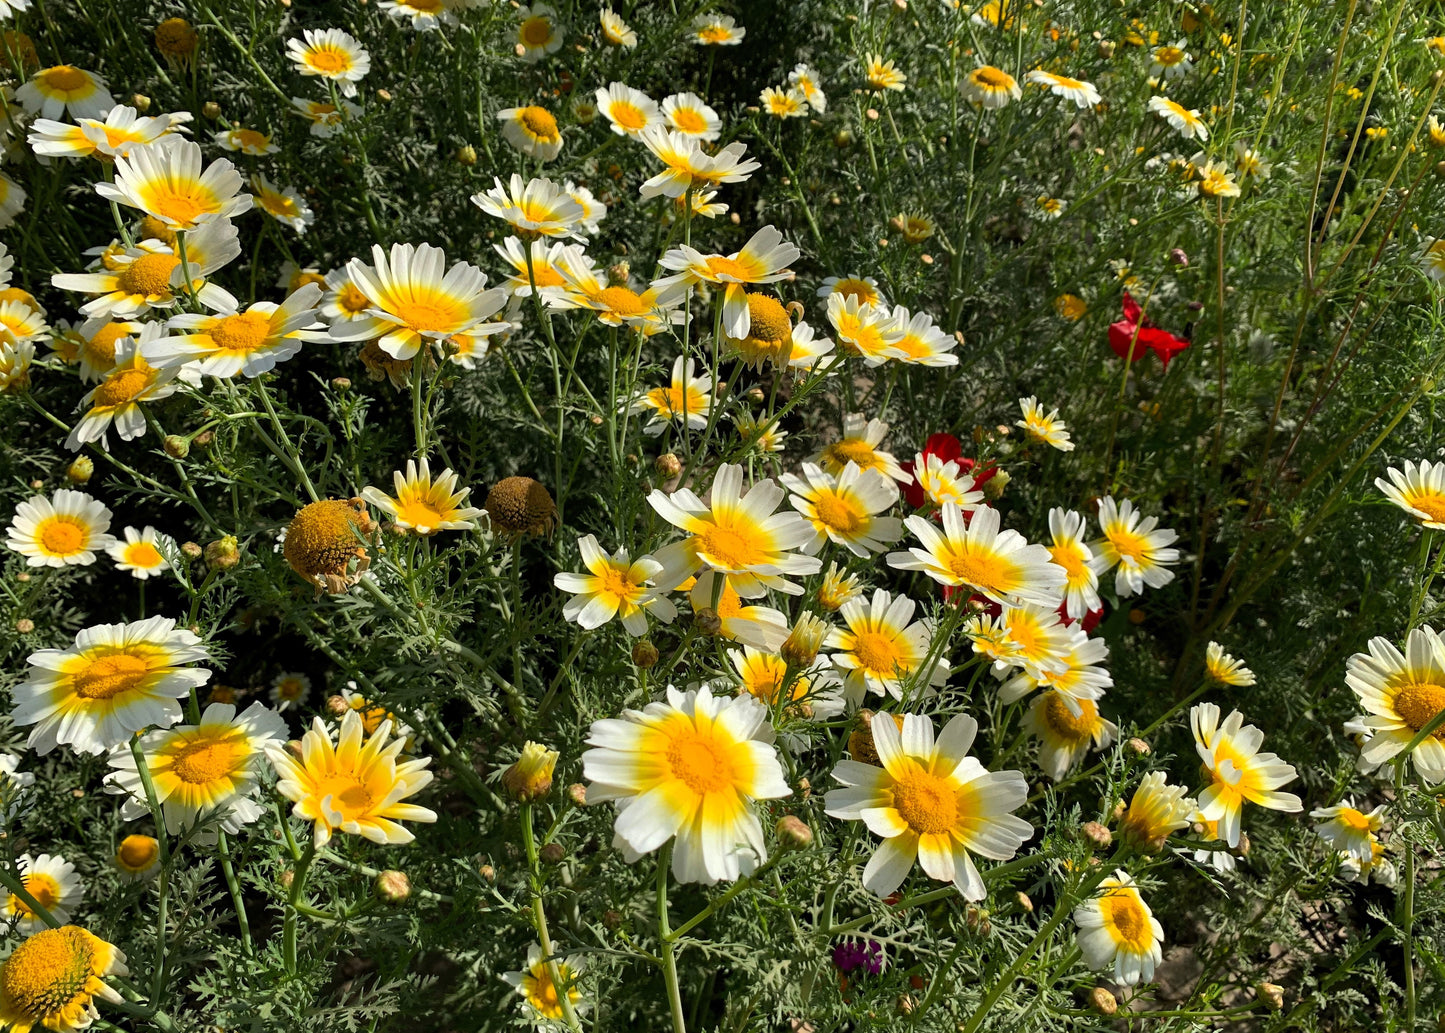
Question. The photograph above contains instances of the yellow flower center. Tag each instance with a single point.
(179, 203)
(63, 536)
(122, 387)
(143, 555)
(1168, 56)
(1125, 915)
(714, 34)
(770, 322)
(250, 140)
(322, 537)
(853, 287)
(350, 298)
(730, 547)
(614, 581)
(927, 802)
(688, 120)
(852, 450)
(839, 513)
(628, 115)
(537, 31)
(138, 852)
(1067, 556)
(1418, 703)
(425, 6)
(148, 276)
(329, 60)
(152, 228)
(542, 994)
(992, 78)
(544, 276)
(280, 205)
(622, 301)
(671, 400)
(207, 760)
(880, 653)
(48, 973)
(1354, 820)
(418, 512)
(539, 122)
(108, 676)
(985, 570)
(764, 679)
(371, 716)
(1064, 723)
(290, 688)
(429, 312)
(64, 79)
(175, 36)
(720, 266)
(1129, 545)
(349, 797)
(43, 888)
(1432, 506)
(702, 762)
(243, 332)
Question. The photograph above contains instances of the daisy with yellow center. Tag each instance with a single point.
(990, 87)
(932, 803)
(922, 343)
(1172, 62)
(846, 509)
(814, 692)
(789, 103)
(616, 304)
(1026, 636)
(946, 481)
(859, 444)
(531, 130)
(1249, 162)
(1044, 428)
(864, 329)
(1402, 695)
(423, 504)
(540, 993)
(763, 259)
(331, 54)
(52, 979)
(1349, 830)
(1239, 773)
(763, 434)
(293, 277)
(137, 858)
(21, 320)
(283, 204)
(289, 689)
(1132, 544)
(52, 92)
(15, 361)
(999, 565)
(629, 111)
(1065, 735)
(114, 681)
(415, 299)
(372, 714)
(424, 15)
(615, 31)
(685, 401)
(837, 588)
(1432, 260)
(121, 130)
(544, 268)
(770, 333)
(326, 118)
(343, 302)
(177, 39)
(1224, 669)
(142, 553)
(1080, 92)
(149, 276)
(807, 81)
(1186, 121)
(1156, 810)
(717, 30)
(246, 141)
(761, 627)
(1072, 669)
(1118, 932)
(880, 650)
(686, 166)
(116, 400)
(881, 75)
(1419, 489)
(593, 210)
(538, 34)
(165, 180)
(1049, 208)
(54, 885)
(1216, 854)
(686, 113)
(535, 208)
(1215, 180)
(735, 533)
(688, 770)
(66, 529)
(208, 770)
(1072, 555)
(614, 586)
(1377, 868)
(353, 784)
(863, 288)
(245, 343)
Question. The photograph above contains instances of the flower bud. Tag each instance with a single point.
(1243, 848)
(223, 553)
(466, 155)
(977, 920)
(204, 438)
(802, 644)
(337, 706)
(1025, 902)
(906, 1005)
(176, 446)
(612, 918)
(80, 471)
(287, 878)
(211, 110)
(708, 622)
(1179, 256)
(530, 778)
(755, 395)
(552, 854)
(488, 873)
(393, 887)
(1102, 1001)
(668, 465)
(1106, 48)
(617, 274)
(25, 625)
(341, 383)
(192, 550)
(1272, 995)
(645, 654)
(577, 793)
(843, 138)
(994, 486)
(794, 833)
(1139, 746)
(1137, 616)
(22, 577)
(384, 96)
(1097, 834)
(140, 102)
(1436, 76)
(36, 484)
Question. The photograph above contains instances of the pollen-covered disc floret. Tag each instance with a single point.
(324, 537)
(52, 979)
(930, 802)
(520, 506)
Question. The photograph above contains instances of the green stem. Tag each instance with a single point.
(665, 937)
(163, 883)
(298, 886)
(539, 921)
(223, 851)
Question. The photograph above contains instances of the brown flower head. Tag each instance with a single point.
(322, 540)
(520, 506)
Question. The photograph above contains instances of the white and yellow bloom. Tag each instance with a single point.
(114, 136)
(882, 647)
(685, 401)
(1080, 92)
(615, 586)
(1132, 544)
(990, 87)
(1045, 428)
(615, 31)
(923, 343)
(1220, 667)
(1065, 734)
(686, 166)
(1249, 162)
(1239, 773)
(1072, 554)
(735, 533)
(761, 627)
(116, 400)
(353, 784)
(1349, 830)
(717, 30)
(56, 976)
(882, 75)
(763, 259)
(1186, 121)
(1418, 489)
(424, 504)
(15, 360)
(764, 435)
(629, 111)
(251, 142)
(1216, 180)
(343, 302)
(150, 276)
(165, 180)
(846, 509)
(789, 103)
(424, 15)
(688, 770)
(1022, 635)
(137, 858)
(1402, 694)
(531, 130)
(806, 79)
(114, 681)
(764, 676)
(326, 118)
(284, 204)
(1377, 868)
(12, 200)
(1155, 811)
(541, 995)
(543, 271)
(142, 553)
(864, 329)
(66, 529)
(233, 342)
(1072, 670)
(686, 113)
(1118, 932)
(863, 288)
(51, 92)
(207, 771)
(999, 565)
(1172, 62)
(289, 689)
(945, 480)
(859, 444)
(331, 54)
(52, 881)
(534, 208)
(616, 304)
(538, 33)
(932, 803)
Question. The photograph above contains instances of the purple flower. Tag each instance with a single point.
(849, 955)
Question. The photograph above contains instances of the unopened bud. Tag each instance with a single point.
(530, 778)
(1137, 616)
(802, 644)
(1097, 834)
(192, 550)
(293, 747)
(843, 138)
(204, 438)
(1179, 256)
(612, 918)
(80, 471)
(708, 622)
(668, 465)
(977, 920)
(1102, 1001)
(211, 110)
(22, 577)
(794, 833)
(1106, 48)
(617, 274)
(337, 706)
(1271, 993)
(755, 395)
(1025, 902)
(384, 96)
(36, 484)
(488, 873)
(341, 383)
(1440, 169)
(140, 102)
(287, 878)
(1243, 848)
(1139, 746)
(392, 886)
(176, 446)
(552, 853)
(466, 155)
(25, 625)
(906, 1004)
(223, 553)
(994, 486)
(577, 793)
(645, 654)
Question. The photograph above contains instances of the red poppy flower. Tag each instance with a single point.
(947, 448)
(1135, 332)
(1089, 623)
